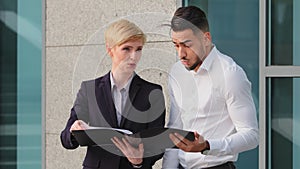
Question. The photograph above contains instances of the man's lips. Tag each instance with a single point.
(185, 62)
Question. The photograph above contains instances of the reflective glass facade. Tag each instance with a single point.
(283, 121)
(8, 87)
(21, 84)
(263, 37)
(282, 85)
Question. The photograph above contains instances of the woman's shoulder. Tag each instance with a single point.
(139, 80)
(96, 81)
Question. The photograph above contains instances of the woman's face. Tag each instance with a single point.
(126, 56)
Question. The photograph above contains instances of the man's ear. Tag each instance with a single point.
(207, 36)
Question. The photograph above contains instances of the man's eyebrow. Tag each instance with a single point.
(186, 41)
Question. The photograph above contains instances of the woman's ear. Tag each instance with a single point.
(108, 49)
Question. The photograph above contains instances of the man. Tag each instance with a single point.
(210, 95)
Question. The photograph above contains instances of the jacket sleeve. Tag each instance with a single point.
(79, 111)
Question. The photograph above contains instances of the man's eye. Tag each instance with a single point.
(187, 45)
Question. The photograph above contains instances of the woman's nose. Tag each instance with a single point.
(133, 55)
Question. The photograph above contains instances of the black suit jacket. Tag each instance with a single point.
(144, 109)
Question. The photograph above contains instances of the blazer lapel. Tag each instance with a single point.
(105, 101)
(133, 90)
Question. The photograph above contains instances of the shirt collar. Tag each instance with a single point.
(207, 62)
(113, 84)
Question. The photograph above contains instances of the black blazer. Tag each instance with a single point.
(144, 109)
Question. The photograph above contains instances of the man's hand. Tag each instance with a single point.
(133, 154)
(198, 145)
(79, 125)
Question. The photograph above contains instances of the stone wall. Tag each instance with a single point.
(75, 51)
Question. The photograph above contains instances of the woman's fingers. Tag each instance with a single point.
(79, 125)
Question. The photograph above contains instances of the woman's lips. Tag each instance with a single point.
(131, 64)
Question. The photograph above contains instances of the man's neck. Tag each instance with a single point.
(210, 48)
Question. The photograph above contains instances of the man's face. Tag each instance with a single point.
(192, 48)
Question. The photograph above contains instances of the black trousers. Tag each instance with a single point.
(228, 165)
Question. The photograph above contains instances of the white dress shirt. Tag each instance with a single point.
(120, 96)
(216, 102)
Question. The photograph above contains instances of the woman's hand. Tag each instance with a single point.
(79, 125)
(133, 154)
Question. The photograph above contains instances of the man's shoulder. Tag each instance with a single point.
(225, 59)
(230, 69)
(228, 63)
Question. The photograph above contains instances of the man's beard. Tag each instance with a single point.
(198, 61)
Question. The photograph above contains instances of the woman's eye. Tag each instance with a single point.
(139, 49)
(126, 49)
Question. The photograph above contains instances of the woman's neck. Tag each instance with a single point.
(121, 78)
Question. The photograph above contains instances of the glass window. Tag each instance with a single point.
(8, 86)
(283, 25)
(284, 123)
(282, 85)
(20, 84)
(234, 25)
(296, 33)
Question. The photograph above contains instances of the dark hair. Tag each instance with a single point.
(189, 17)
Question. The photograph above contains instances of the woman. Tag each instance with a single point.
(119, 99)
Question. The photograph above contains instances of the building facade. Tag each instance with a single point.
(47, 47)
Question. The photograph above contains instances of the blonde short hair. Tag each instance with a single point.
(122, 31)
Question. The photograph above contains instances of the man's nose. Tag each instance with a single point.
(181, 52)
